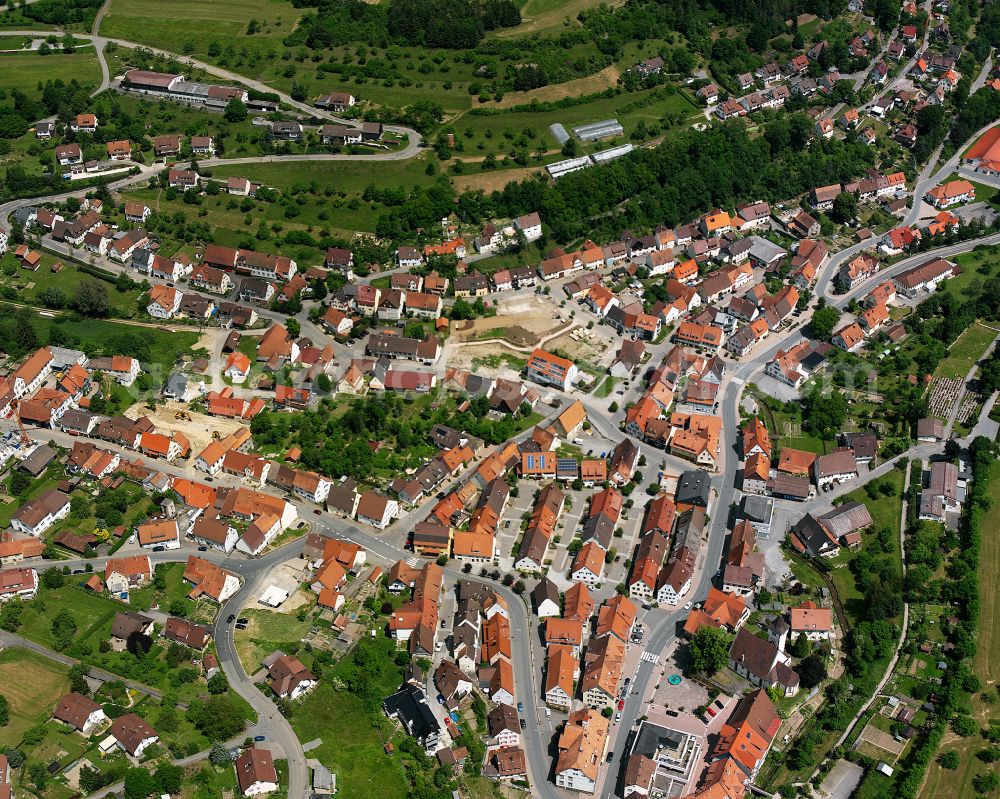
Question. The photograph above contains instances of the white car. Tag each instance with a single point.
(688, 606)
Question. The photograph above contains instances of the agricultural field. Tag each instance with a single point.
(505, 132)
(33, 685)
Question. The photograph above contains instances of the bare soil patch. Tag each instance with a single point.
(495, 180)
(585, 345)
(598, 82)
(198, 428)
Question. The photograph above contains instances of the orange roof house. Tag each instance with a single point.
(578, 603)
(563, 631)
(796, 461)
(808, 618)
(716, 222)
(986, 151)
(756, 438)
(721, 609)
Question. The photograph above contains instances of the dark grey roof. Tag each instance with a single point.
(693, 488)
(546, 589)
(36, 462)
(756, 508)
(410, 706)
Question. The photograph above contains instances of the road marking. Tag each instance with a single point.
(650, 657)
(738, 381)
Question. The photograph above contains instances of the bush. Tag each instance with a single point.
(949, 760)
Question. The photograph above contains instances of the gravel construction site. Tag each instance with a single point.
(197, 427)
(523, 322)
(589, 346)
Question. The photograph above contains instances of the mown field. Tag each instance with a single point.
(327, 195)
(965, 351)
(24, 71)
(32, 685)
(190, 26)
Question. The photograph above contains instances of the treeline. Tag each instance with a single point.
(22, 110)
(961, 591)
(339, 445)
(62, 12)
(451, 24)
(683, 177)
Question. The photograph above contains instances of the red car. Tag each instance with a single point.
(621, 704)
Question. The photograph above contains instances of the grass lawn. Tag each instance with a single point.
(205, 781)
(266, 632)
(66, 280)
(24, 71)
(965, 351)
(977, 267)
(605, 389)
(350, 177)
(885, 512)
(538, 15)
(176, 591)
(92, 613)
(48, 479)
(321, 195)
(352, 747)
(32, 686)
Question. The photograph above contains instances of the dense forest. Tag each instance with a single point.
(685, 176)
(62, 12)
(454, 24)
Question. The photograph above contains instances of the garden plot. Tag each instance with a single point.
(945, 392)
(879, 745)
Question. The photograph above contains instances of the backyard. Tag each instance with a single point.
(352, 744)
(958, 783)
(29, 286)
(885, 511)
